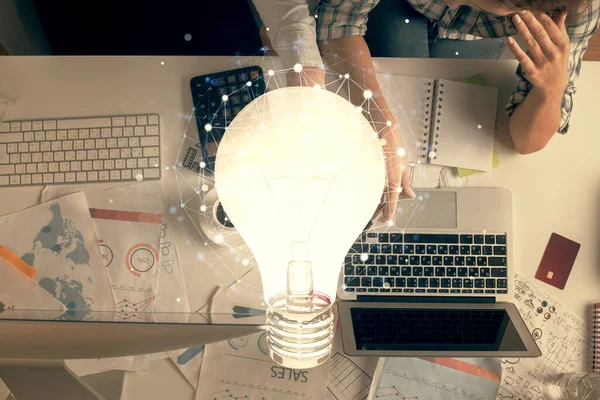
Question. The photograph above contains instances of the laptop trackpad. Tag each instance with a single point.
(429, 210)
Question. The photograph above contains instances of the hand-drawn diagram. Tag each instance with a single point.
(347, 381)
(561, 335)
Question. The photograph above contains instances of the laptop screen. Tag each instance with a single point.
(397, 329)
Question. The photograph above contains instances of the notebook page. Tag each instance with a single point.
(466, 128)
(407, 98)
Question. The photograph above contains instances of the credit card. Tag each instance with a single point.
(557, 261)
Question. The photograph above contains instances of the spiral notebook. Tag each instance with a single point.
(450, 123)
(596, 339)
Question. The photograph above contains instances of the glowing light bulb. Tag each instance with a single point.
(292, 208)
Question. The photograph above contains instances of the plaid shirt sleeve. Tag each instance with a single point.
(579, 33)
(340, 18)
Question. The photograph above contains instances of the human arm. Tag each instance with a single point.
(542, 103)
(350, 55)
(291, 31)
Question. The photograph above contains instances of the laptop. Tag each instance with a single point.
(439, 283)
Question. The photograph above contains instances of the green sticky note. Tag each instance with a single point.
(478, 79)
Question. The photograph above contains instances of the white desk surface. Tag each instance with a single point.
(555, 190)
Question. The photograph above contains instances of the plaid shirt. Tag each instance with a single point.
(339, 18)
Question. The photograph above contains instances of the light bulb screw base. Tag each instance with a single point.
(300, 340)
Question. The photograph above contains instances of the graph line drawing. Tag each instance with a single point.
(227, 394)
(392, 393)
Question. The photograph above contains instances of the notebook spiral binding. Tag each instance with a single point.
(433, 114)
(596, 338)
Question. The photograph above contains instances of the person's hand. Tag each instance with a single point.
(549, 45)
(397, 176)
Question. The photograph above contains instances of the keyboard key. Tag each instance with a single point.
(386, 248)
(476, 250)
(361, 289)
(420, 249)
(448, 260)
(453, 250)
(384, 271)
(395, 237)
(490, 283)
(417, 271)
(361, 270)
(384, 238)
(442, 249)
(487, 250)
(497, 261)
(459, 260)
(436, 260)
(466, 239)
(403, 260)
(451, 271)
(471, 261)
(365, 282)
(499, 272)
(489, 291)
(430, 238)
(501, 239)
(400, 282)
(415, 260)
(440, 271)
(36, 179)
(431, 249)
(397, 249)
(81, 176)
(423, 282)
(69, 177)
(474, 272)
(409, 249)
(482, 261)
(406, 271)
(349, 289)
(463, 272)
(378, 282)
(372, 271)
(479, 283)
(490, 239)
(499, 250)
(446, 282)
(395, 271)
(389, 282)
(484, 272)
(467, 283)
(457, 283)
(380, 259)
(501, 283)
(425, 260)
(428, 271)
(392, 260)
(434, 282)
(374, 248)
(411, 282)
(352, 281)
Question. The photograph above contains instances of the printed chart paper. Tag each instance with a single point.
(58, 239)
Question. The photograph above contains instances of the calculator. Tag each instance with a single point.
(241, 86)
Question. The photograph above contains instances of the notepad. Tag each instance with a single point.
(443, 122)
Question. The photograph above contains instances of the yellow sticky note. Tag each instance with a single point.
(478, 79)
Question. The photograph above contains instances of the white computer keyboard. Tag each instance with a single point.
(89, 149)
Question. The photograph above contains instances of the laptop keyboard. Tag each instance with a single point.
(427, 263)
(418, 329)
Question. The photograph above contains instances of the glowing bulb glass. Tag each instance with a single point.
(301, 207)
